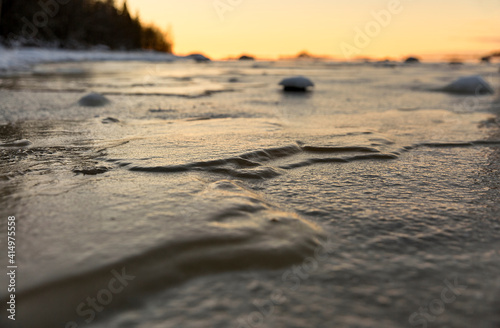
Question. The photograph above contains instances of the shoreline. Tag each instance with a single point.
(24, 58)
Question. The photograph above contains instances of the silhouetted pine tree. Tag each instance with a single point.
(77, 24)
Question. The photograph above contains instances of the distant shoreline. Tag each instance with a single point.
(13, 59)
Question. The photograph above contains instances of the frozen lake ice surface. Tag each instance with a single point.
(202, 195)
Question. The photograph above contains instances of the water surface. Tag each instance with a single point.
(233, 204)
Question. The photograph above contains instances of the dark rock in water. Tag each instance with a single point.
(233, 80)
(91, 170)
(412, 60)
(109, 120)
(245, 57)
(296, 84)
(486, 59)
(199, 58)
(455, 63)
(93, 100)
(294, 89)
(385, 63)
(470, 85)
(304, 55)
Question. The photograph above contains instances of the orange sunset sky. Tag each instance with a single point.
(271, 28)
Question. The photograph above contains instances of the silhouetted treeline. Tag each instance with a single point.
(76, 24)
